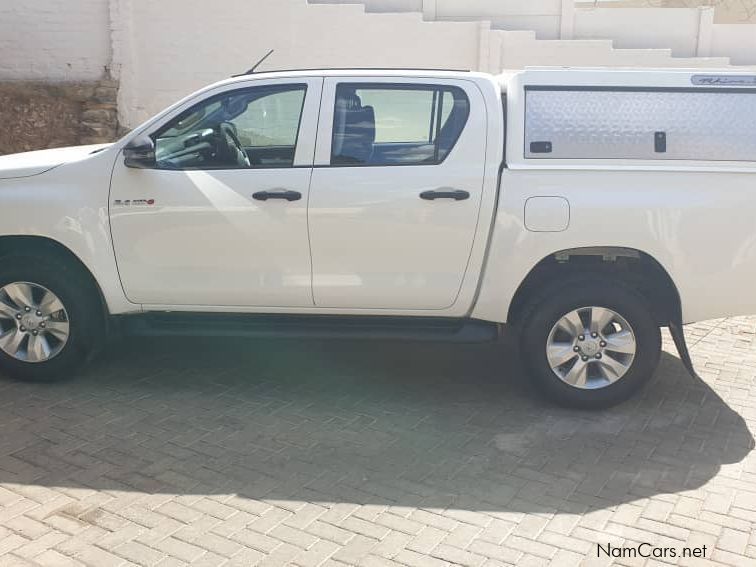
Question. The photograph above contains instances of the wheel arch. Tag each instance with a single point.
(634, 267)
(15, 244)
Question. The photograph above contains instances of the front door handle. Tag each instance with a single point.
(286, 195)
(456, 194)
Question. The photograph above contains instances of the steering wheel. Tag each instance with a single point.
(230, 149)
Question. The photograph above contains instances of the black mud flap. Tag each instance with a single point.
(676, 330)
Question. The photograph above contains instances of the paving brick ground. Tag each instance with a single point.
(207, 452)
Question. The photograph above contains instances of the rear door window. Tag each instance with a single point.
(381, 124)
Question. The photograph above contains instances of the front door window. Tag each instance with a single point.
(250, 128)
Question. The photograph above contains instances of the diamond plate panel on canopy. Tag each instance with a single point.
(609, 124)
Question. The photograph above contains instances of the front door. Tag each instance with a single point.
(222, 219)
(396, 192)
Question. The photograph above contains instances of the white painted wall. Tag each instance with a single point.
(54, 39)
(737, 41)
(180, 45)
(664, 28)
(163, 50)
(380, 5)
(541, 16)
(631, 24)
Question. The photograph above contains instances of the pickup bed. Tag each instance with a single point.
(587, 207)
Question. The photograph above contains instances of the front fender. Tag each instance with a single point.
(69, 205)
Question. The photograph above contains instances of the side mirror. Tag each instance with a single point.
(140, 153)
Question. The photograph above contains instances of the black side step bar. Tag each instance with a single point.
(313, 326)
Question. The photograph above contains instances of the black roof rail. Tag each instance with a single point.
(252, 71)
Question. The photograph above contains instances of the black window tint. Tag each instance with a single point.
(248, 128)
(396, 124)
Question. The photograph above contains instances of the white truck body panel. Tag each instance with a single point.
(68, 205)
(695, 218)
(207, 242)
(374, 243)
(33, 163)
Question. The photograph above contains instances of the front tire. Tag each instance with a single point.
(49, 319)
(589, 342)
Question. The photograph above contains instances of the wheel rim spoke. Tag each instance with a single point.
(39, 349)
(613, 368)
(560, 354)
(572, 324)
(622, 342)
(20, 293)
(7, 311)
(600, 318)
(11, 341)
(50, 303)
(38, 332)
(58, 329)
(577, 375)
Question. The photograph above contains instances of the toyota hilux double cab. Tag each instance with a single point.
(585, 207)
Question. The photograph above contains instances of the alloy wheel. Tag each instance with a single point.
(591, 347)
(34, 324)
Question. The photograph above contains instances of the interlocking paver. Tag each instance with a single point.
(345, 453)
(52, 558)
(40, 544)
(138, 553)
(316, 554)
(11, 542)
(426, 540)
(498, 552)
(11, 560)
(255, 540)
(182, 550)
(368, 529)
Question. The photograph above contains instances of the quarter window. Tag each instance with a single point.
(248, 128)
(396, 124)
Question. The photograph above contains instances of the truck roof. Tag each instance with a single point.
(566, 76)
(364, 71)
(541, 76)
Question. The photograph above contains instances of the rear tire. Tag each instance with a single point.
(50, 319)
(590, 342)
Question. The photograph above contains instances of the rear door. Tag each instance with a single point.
(396, 191)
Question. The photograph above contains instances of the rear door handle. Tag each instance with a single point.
(286, 195)
(456, 194)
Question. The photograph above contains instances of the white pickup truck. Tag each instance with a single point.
(587, 207)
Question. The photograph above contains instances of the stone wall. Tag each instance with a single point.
(38, 115)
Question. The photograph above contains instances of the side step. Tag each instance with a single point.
(312, 326)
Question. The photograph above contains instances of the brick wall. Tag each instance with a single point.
(54, 40)
(39, 115)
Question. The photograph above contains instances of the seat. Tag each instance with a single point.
(354, 131)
